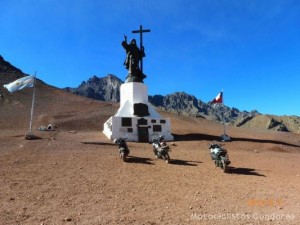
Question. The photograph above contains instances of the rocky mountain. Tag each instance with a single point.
(270, 122)
(8, 73)
(185, 104)
(107, 89)
(188, 105)
(6, 67)
(104, 89)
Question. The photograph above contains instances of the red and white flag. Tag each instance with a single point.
(218, 99)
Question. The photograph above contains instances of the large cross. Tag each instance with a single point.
(141, 31)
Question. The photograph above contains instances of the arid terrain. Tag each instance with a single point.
(73, 175)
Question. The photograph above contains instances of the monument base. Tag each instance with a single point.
(139, 129)
(136, 118)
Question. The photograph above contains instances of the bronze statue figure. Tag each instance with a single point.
(133, 57)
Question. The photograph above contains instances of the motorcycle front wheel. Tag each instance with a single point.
(224, 165)
(123, 156)
(167, 158)
(217, 163)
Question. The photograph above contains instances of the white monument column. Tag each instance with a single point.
(136, 119)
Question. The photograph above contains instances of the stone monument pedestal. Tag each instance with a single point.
(136, 118)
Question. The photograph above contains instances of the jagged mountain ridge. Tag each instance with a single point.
(8, 73)
(185, 104)
(270, 122)
(188, 105)
(6, 67)
(104, 89)
(108, 89)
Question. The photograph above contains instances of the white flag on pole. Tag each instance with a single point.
(19, 84)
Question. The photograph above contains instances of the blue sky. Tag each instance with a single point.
(248, 48)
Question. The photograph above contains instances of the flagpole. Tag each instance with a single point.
(223, 115)
(32, 104)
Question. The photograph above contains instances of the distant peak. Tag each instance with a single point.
(101, 88)
(113, 77)
(6, 67)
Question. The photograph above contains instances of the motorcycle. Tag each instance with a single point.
(123, 148)
(220, 156)
(161, 149)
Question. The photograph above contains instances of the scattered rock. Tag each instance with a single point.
(67, 219)
(31, 136)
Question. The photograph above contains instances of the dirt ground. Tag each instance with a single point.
(73, 175)
(77, 177)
